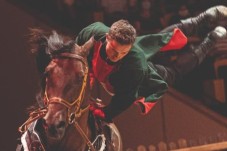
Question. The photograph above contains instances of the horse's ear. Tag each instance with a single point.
(37, 39)
(39, 45)
(88, 45)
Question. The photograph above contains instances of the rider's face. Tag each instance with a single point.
(116, 51)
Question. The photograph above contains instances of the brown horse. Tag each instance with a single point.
(63, 122)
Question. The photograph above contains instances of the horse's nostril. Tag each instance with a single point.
(61, 125)
(52, 130)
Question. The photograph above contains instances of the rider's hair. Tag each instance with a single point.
(123, 32)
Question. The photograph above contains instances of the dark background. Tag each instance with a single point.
(19, 78)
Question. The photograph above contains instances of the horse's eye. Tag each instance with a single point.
(61, 125)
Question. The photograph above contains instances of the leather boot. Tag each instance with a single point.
(212, 17)
(209, 42)
(187, 61)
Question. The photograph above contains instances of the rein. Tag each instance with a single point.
(72, 115)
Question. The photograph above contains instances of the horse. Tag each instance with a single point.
(63, 120)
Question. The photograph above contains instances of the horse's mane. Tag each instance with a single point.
(45, 45)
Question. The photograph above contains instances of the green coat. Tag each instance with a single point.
(134, 77)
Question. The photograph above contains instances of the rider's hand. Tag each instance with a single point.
(97, 112)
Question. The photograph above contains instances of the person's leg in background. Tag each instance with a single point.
(187, 61)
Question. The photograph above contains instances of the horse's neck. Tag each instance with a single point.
(73, 139)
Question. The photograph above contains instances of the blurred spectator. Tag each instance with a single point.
(132, 14)
(98, 14)
(113, 10)
(182, 12)
(76, 14)
(66, 12)
(86, 8)
(149, 19)
(165, 13)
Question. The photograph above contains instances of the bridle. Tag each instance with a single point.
(74, 108)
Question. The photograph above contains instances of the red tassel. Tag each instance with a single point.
(97, 112)
(145, 107)
(177, 41)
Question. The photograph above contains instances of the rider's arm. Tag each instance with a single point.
(97, 29)
(126, 86)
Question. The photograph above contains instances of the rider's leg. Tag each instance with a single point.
(212, 16)
(187, 61)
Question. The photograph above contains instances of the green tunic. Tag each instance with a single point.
(134, 76)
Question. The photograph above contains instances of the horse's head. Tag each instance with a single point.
(65, 79)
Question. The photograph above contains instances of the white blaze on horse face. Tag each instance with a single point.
(54, 74)
(56, 120)
(56, 112)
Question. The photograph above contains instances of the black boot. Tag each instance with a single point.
(212, 17)
(187, 61)
(209, 42)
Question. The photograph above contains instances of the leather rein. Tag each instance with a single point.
(72, 114)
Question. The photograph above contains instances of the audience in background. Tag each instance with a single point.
(182, 12)
(132, 12)
(113, 10)
(147, 16)
(148, 20)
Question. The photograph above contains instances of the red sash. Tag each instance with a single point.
(101, 69)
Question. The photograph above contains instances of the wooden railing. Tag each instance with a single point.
(207, 147)
(183, 145)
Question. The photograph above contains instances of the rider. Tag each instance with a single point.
(121, 62)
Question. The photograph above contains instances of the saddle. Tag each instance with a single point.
(33, 138)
